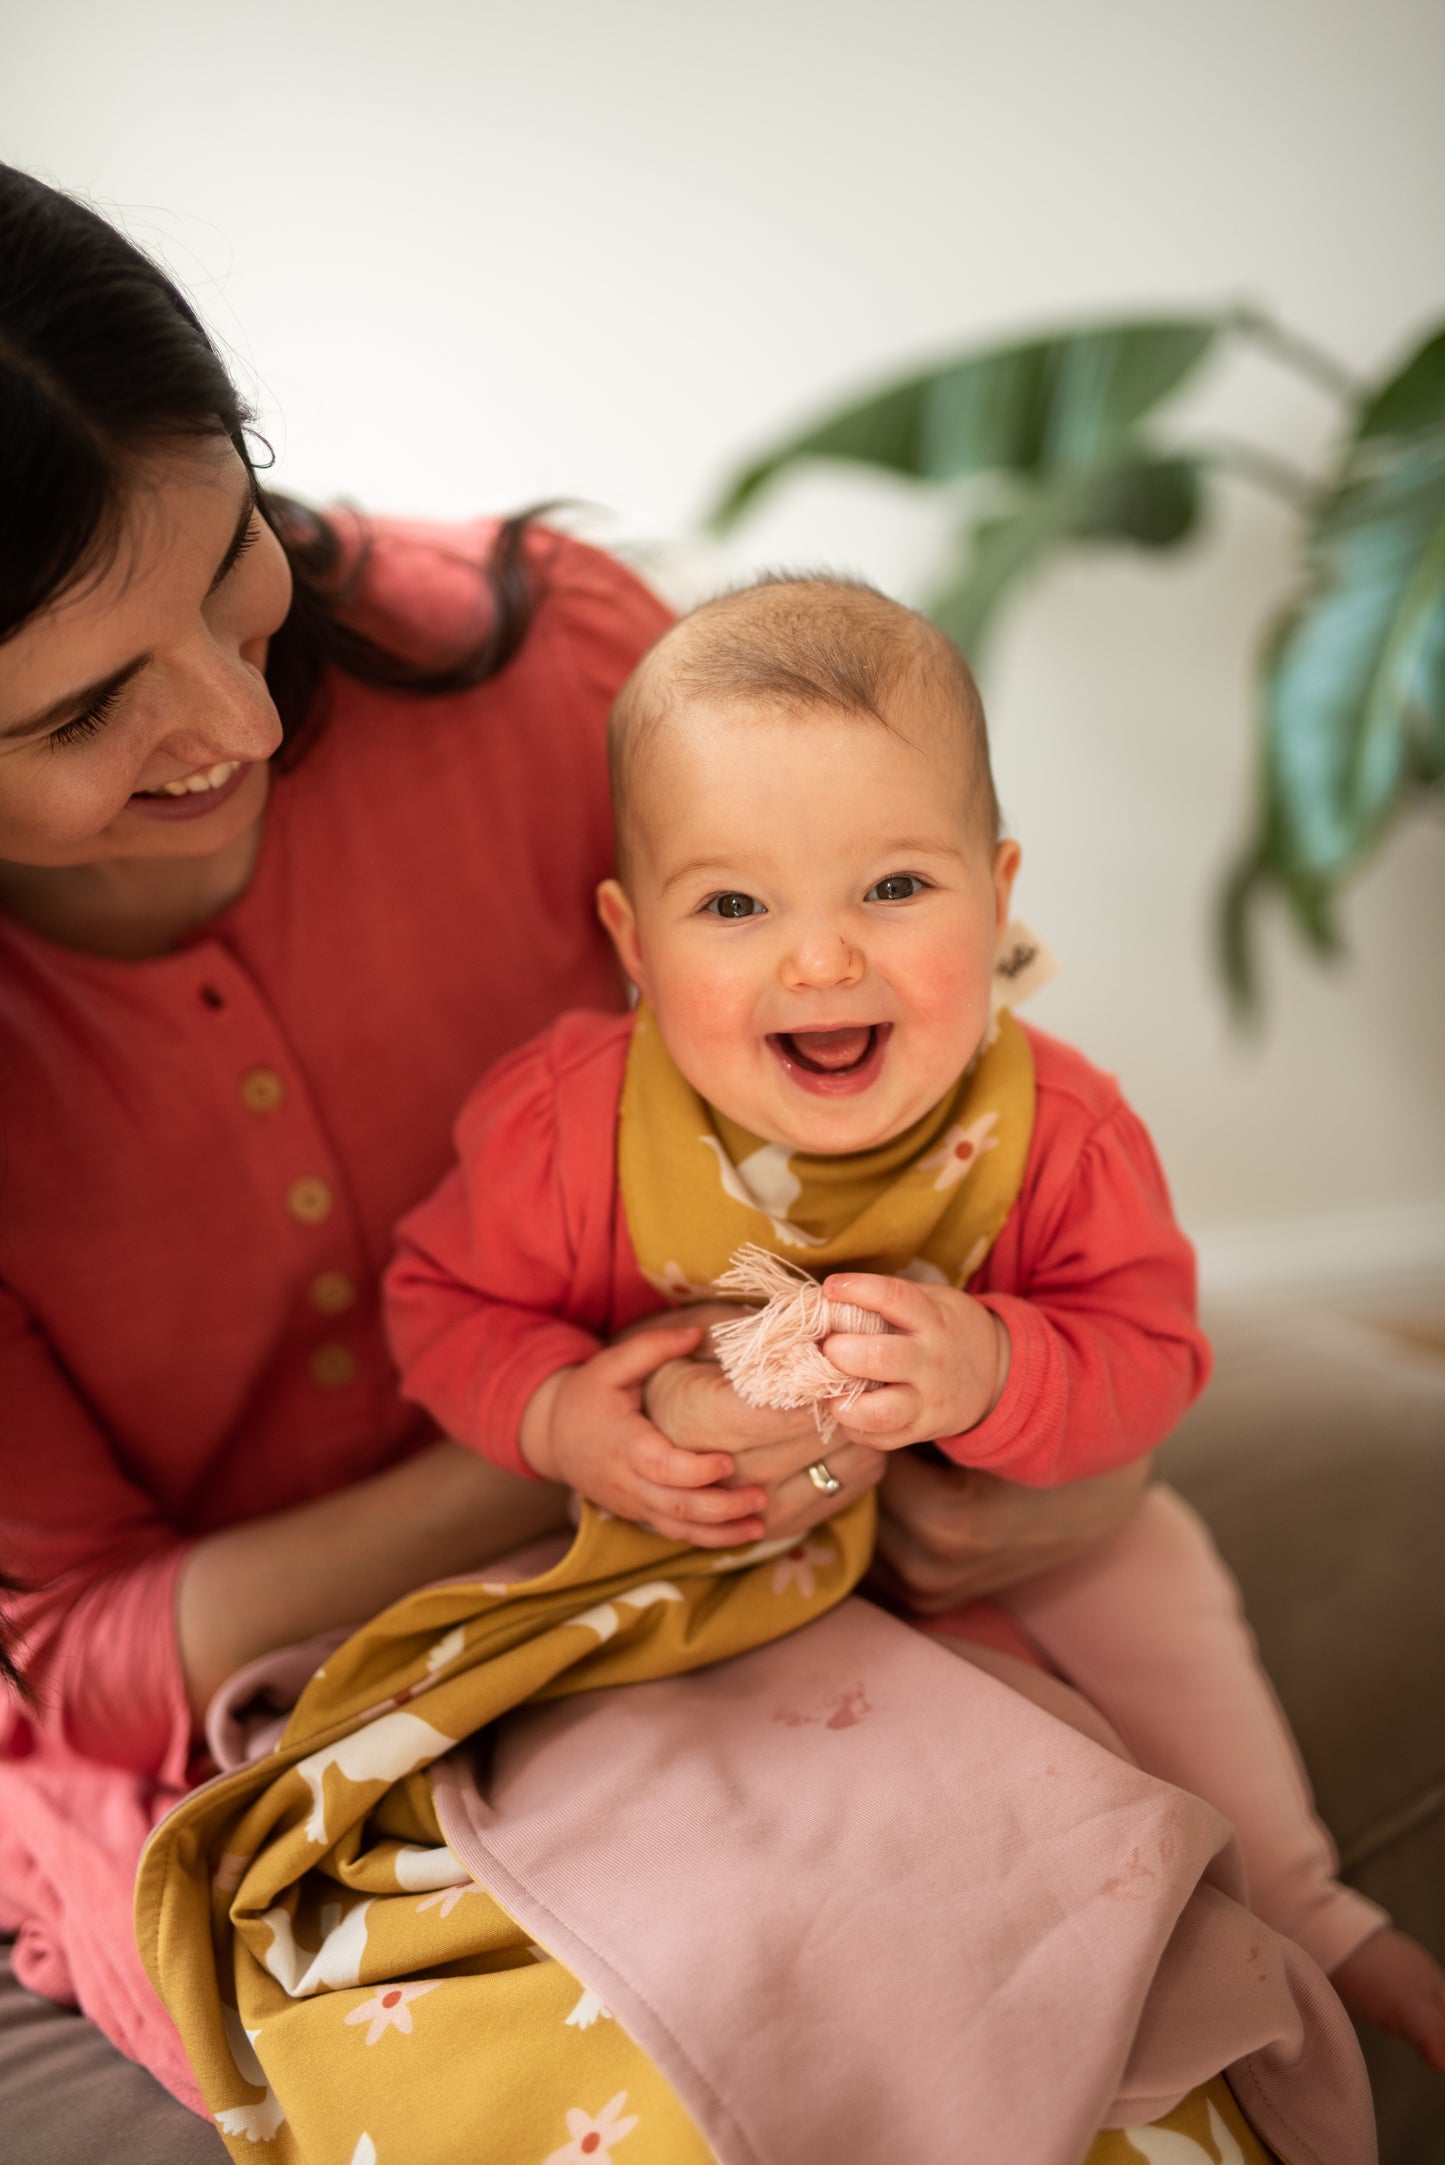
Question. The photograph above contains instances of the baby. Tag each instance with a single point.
(811, 898)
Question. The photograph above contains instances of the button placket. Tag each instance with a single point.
(282, 1128)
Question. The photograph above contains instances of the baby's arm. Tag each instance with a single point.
(496, 1313)
(1151, 1629)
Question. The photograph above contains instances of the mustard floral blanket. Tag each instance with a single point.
(348, 1994)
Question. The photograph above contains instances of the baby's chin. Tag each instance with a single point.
(834, 1128)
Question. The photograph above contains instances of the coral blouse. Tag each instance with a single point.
(204, 1154)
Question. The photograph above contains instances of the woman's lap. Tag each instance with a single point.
(67, 2097)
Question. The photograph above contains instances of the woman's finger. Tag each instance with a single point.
(704, 1506)
(798, 1505)
(771, 1463)
(699, 1534)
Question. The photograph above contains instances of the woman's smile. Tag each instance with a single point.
(193, 795)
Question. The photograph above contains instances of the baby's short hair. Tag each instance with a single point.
(800, 641)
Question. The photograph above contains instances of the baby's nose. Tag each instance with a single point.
(822, 959)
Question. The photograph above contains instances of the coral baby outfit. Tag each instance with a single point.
(523, 1262)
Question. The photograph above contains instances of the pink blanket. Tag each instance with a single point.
(859, 1899)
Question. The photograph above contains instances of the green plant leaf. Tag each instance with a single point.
(1030, 408)
(1413, 400)
(1354, 710)
(996, 554)
(1153, 503)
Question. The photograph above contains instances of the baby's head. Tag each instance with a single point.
(810, 881)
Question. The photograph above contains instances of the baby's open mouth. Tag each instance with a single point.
(829, 1052)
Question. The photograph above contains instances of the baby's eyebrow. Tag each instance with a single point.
(695, 865)
(915, 845)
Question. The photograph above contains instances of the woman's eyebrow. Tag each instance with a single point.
(77, 702)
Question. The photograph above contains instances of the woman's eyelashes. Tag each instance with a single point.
(99, 712)
(87, 724)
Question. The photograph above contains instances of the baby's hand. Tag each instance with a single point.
(585, 1426)
(940, 1368)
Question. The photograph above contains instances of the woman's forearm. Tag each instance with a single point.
(947, 1534)
(277, 1580)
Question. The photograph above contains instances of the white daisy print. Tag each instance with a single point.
(593, 2138)
(960, 1150)
(764, 1182)
(390, 2009)
(447, 1899)
(673, 1284)
(798, 1566)
(1161, 2147)
(587, 2010)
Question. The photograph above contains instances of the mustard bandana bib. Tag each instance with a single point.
(927, 1205)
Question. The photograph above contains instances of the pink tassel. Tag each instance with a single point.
(774, 1356)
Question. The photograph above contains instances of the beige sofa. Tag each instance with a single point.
(1318, 1458)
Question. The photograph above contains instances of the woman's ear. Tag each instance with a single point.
(1006, 858)
(620, 921)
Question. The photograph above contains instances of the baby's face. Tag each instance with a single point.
(812, 911)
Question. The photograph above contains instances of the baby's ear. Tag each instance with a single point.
(1006, 858)
(618, 917)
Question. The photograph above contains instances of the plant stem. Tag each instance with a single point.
(1275, 476)
(1302, 354)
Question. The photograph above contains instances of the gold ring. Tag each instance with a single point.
(824, 1480)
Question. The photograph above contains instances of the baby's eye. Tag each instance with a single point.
(898, 887)
(734, 905)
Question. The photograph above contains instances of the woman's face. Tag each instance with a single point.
(134, 716)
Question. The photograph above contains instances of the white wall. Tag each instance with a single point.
(469, 255)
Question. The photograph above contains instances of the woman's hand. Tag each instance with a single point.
(585, 1426)
(949, 1534)
(696, 1407)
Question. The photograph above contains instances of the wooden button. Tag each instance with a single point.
(332, 1366)
(332, 1293)
(262, 1090)
(309, 1199)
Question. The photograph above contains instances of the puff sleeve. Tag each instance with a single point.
(1095, 1285)
(484, 1297)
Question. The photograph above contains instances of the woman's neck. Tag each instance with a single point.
(130, 908)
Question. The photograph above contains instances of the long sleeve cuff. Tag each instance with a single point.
(107, 1666)
(494, 1427)
(1017, 1438)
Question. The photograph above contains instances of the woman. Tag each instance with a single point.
(299, 827)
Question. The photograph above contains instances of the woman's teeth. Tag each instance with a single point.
(192, 784)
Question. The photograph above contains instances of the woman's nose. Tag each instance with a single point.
(821, 959)
(222, 710)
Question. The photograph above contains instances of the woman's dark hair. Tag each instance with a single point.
(103, 359)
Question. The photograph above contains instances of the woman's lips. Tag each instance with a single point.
(832, 1063)
(193, 805)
